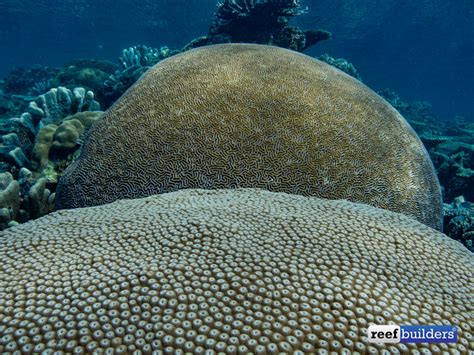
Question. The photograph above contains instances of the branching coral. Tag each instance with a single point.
(134, 61)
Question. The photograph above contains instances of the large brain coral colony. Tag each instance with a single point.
(240, 115)
(231, 271)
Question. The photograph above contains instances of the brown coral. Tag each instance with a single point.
(241, 115)
(243, 270)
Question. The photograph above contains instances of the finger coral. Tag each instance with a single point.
(241, 115)
(243, 270)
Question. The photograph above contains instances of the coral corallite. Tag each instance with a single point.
(232, 271)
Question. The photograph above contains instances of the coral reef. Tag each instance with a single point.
(229, 271)
(9, 199)
(417, 113)
(459, 221)
(134, 61)
(21, 81)
(43, 143)
(455, 164)
(23, 199)
(259, 21)
(236, 21)
(36, 147)
(53, 106)
(86, 73)
(62, 138)
(13, 105)
(341, 64)
(40, 88)
(5, 104)
(450, 145)
(239, 115)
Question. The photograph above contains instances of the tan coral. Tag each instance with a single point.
(64, 136)
(241, 115)
(43, 143)
(231, 271)
(67, 134)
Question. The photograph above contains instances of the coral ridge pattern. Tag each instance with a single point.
(240, 115)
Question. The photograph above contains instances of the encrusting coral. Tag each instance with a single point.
(240, 115)
(231, 271)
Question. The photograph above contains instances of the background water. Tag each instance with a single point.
(422, 49)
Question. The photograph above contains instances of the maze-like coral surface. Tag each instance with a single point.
(244, 270)
(239, 115)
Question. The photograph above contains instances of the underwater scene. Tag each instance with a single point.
(237, 177)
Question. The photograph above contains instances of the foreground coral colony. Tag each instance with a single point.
(234, 196)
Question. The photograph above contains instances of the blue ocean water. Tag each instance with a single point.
(422, 49)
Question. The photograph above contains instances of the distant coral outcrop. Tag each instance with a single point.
(259, 21)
